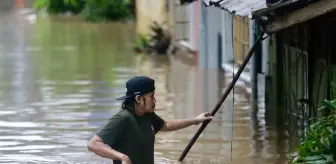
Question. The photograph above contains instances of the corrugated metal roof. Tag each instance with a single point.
(240, 7)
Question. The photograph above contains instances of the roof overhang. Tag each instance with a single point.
(242, 8)
(278, 17)
(290, 13)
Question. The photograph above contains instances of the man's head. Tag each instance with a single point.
(140, 90)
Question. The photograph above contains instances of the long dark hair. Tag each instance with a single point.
(128, 104)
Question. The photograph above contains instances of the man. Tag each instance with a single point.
(130, 133)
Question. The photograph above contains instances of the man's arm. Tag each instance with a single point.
(176, 124)
(109, 135)
(97, 146)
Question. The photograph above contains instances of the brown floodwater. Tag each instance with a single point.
(60, 77)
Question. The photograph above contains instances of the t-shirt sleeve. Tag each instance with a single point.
(157, 122)
(112, 130)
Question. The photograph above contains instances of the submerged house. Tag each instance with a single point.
(298, 58)
(302, 59)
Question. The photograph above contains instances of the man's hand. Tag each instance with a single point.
(126, 160)
(203, 117)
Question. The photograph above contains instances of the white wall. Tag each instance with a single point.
(265, 54)
(214, 28)
(227, 31)
(192, 15)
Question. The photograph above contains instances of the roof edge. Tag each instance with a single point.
(274, 19)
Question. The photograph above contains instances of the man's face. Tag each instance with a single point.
(147, 102)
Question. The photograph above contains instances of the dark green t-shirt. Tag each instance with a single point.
(132, 135)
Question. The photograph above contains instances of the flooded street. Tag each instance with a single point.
(60, 77)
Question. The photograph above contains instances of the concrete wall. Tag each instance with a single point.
(194, 15)
(227, 39)
(211, 31)
(184, 22)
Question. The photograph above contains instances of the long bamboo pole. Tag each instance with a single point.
(226, 93)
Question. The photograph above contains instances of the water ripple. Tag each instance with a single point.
(31, 147)
(24, 138)
(20, 124)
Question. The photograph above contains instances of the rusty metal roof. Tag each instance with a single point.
(239, 7)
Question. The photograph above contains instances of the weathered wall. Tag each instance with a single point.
(148, 11)
(241, 38)
(182, 21)
(302, 66)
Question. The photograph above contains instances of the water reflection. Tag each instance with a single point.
(60, 78)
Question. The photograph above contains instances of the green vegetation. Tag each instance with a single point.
(142, 43)
(157, 42)
(93, 10)
(319, 145)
